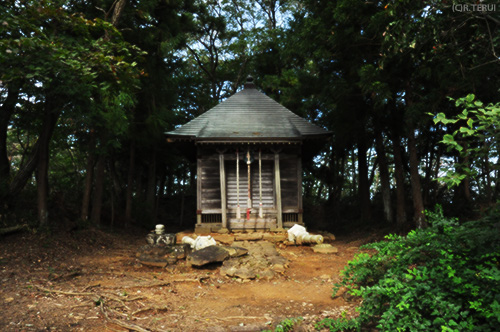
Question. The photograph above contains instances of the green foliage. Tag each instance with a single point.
(79, 72)
(445, 277)
(339, 324)
(476, 137)
(286, 325)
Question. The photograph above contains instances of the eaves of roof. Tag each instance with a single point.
(248, 116)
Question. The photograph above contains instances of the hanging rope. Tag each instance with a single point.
(260, 184)
(238, 211)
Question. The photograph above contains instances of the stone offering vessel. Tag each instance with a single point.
(158, 237)
(162, 249)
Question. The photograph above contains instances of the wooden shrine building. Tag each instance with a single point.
(249, 152)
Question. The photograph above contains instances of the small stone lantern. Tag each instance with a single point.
(160, 238)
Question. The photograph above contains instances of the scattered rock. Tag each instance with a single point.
(262, 261)
(207, 255)
(327, 236)
(280, 268)
(154, 264)
(248, 236)
(267, 274)
(235, 251)
(278, 260)
(229, 268)
(162, 255)
(248, 328)
(325, 248)
(245, 272)
(216, 329)
(224, 238)
(274, 238)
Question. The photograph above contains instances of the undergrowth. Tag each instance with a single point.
(286, 325)
(442, 278)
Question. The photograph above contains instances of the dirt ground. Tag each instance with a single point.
(91, 281)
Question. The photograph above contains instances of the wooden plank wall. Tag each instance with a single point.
(289, 183)
(210, 184)
(210, 198)
(267, 184)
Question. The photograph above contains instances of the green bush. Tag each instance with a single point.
(340, 324)
(443, 278)
(286, 325)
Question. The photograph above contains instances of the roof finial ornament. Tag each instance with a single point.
(249, 84)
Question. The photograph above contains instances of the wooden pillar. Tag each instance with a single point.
(260, 185)
(198, 190)
(238, 210)
(249, 186)
(299, 189)
(277, 180)
(223, 197)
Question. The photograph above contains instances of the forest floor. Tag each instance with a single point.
(90, 280)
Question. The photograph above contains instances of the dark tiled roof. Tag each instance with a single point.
(248, 115)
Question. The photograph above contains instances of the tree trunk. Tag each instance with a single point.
(331, 175)
(337, 179)
(95, 215)
(6, 112)
(496, 181)
(89, 176)
(192, 177)
(151, 189)
(181, 218)
(117, 11)
(130, 183)
(162, 180)
(418, 203)
(354, 182)
(466, 182)
(13, 229)
(400, 190)
(487, 180)
(24, 174)
(42, 167)
(117, 8)
(39, 160)
(170, 185)
(116, 191)
(436, 175)
(320, 190)
(40, 148)
(140, 183)
(384, 177)
(157, 199)
(428, 174)
(42, 184)
(364, 186)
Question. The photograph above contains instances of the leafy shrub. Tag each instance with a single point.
(339, 324)
(443, 278)
(286, 325)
